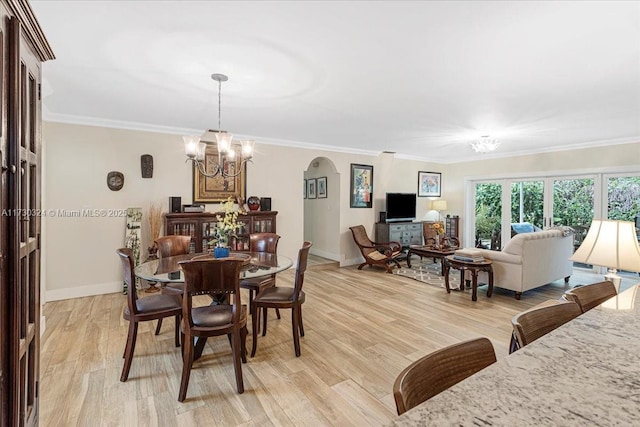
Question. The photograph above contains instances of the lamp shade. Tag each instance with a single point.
(439, 205)
(611, 244)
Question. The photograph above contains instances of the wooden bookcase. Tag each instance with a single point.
(200, 227)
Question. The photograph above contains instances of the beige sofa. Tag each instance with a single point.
(530, 260)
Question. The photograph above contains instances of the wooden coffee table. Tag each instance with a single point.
(474, 268)
(429, 251)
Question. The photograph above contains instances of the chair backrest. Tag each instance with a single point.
(532, 324)
(264, 242)
(362, 240)
(303, 255)
(440, 370)
(173, 245)
(589, 296)
(212, 277)
(126, 257)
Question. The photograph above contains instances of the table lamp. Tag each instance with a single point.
(611, 244)
(439, 205)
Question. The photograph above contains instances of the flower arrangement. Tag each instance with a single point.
(227, 225)
(439, 228)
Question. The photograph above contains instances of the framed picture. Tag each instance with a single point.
(322, 187)
(311, 188)
(219, 188)
(361, 194)
(429, 184)
(304, 188)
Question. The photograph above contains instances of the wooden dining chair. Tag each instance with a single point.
(172, 245)
(437, 371)
(513, 343)
(143, 309)
(532, 324)
(261, 242)
(283, 297)
(589, 296)
(212, 277)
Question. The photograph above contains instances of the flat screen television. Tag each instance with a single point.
(401, 207)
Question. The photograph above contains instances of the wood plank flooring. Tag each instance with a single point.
(362, 328)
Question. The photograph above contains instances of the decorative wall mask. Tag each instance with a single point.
(115, 180)
(146, 165)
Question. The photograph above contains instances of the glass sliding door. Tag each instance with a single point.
(488, 215)
(527, 204)
(573, 205)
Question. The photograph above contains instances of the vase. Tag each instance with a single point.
(221, 252)
(254, 203)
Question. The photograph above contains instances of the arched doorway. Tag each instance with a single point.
(322, 208)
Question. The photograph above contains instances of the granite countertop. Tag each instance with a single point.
(584, 373)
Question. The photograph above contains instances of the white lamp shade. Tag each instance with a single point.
(247, 148)
(224, 141)
(611, 244)
(439, 205)
(191, 145)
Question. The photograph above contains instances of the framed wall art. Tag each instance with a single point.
(322, 187)
(219, 188)
(361, 194)
(312, 188)
(429, 184)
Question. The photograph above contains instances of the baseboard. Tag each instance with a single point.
(323, 254)
(84, 291)
(352, 261)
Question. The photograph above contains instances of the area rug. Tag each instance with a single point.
(428, 272)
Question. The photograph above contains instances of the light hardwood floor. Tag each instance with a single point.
(362, 328)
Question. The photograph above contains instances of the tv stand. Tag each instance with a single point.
(407, 233)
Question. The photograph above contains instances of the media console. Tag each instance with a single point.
(407, 233)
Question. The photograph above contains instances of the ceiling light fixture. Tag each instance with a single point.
(485, 145)
(195, 148)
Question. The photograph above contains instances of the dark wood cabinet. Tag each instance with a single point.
(23, 48)
(452, 226)
(200, 227)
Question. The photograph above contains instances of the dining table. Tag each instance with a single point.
(167, 270)
(586, 372)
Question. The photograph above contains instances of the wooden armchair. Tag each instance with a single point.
(376, 253)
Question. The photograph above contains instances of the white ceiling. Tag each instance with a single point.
(422, 79)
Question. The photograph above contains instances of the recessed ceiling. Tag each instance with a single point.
(422, 79)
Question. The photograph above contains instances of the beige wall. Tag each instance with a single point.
(80, 258)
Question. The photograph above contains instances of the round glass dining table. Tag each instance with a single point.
(167, 270)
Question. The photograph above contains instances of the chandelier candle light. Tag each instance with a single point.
(194, 147)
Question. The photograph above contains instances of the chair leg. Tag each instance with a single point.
(177, 332)
(264, 321)
(300, 320)
(295, 324)
(237, 356)
(243, 342)
(128, 350)
(187, 362)
(254, 330)
(159, 326)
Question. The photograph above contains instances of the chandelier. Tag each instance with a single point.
(485, 145)
(228, 151)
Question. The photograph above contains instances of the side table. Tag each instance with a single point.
(474, 268)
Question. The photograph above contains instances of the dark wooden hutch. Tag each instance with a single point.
(200, 227)
(23, 48)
